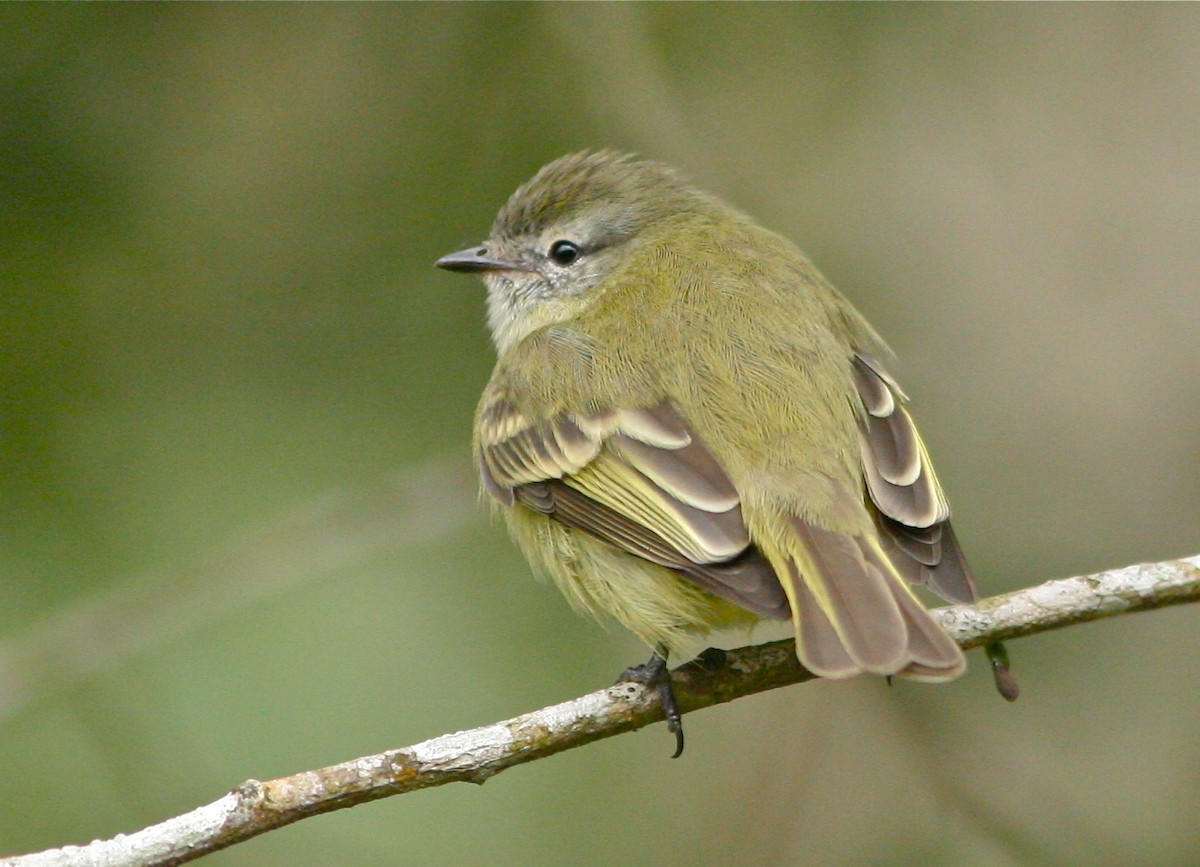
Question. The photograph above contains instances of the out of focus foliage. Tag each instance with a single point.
(222, 344)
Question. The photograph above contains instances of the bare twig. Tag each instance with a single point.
(474, 756)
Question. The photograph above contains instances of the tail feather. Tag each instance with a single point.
(854, 595)
(854, 613)
(817, 643)
(934, 654)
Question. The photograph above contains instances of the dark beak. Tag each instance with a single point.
(476, 259)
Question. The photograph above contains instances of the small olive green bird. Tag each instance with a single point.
(689, 428)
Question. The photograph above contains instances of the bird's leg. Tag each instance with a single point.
(655, 674)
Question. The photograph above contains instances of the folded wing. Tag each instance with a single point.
(913, 517)
(638, 479)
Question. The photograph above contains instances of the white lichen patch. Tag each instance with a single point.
(595, 705)
(468, 749)
(148, 846)
(370, 767)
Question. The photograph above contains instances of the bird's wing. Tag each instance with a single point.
(912, 513)
(853, 607)
(639, 479)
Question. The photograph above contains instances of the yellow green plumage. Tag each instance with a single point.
(688, 428)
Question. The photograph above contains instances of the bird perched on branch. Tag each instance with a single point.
(689, 428)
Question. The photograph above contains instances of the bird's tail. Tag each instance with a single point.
(854, 613)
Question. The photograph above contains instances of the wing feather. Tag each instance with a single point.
(689, 473)
(913, 515)
(502, 494)
(638, 479)
(705, 537)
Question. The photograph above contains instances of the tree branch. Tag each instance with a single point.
(476, 755)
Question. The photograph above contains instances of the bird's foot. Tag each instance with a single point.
(655, 675)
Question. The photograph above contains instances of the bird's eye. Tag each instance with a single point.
(564, 252)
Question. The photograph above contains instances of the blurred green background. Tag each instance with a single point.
(238, 529)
